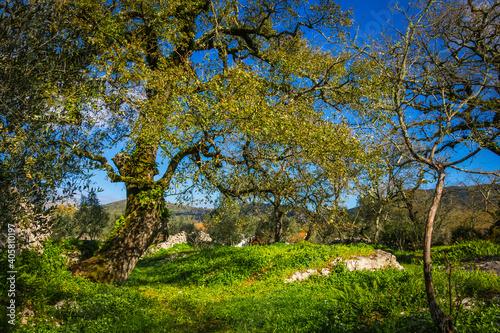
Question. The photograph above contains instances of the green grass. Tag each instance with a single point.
(226, 289)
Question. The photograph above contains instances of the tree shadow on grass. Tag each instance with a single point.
(204, 267)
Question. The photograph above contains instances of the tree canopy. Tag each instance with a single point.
(179, 85)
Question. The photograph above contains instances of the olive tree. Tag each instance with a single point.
(291, 177)
(42, 54)
(177, 81)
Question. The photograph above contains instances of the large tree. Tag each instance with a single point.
(179, 80)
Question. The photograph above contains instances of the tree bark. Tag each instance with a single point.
(119, 255)
(377, 224)
(441, 320)
(278, 219)
(145, 217)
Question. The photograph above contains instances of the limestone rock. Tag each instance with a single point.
(26, 314)
(301, 276)
(490, 264)
(378, 260)
(65, 304)
(197, 237)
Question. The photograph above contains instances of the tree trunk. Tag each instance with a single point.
(145, 217)
(441, 320)
(278, 219)
(377, 225)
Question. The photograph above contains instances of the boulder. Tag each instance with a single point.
(378, 260)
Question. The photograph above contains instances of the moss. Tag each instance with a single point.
(95, 269)
(120, 223)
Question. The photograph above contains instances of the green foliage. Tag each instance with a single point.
(91, 217)
(63, 222)
(465, 251)
(119, 223)
(494, 232)
(181, 223)
(464, 233)
(43, 56)
(482, 318)
(228, 289)
(86, 307)
(228, 224)
(87, 248)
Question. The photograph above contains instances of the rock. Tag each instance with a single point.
(467, 304)
(244, 242)
(73, 256)
(490, 264)
(379, 260)
(179, 238)
(301, 276)
(25, 315)
(197, 237)
(65, 304)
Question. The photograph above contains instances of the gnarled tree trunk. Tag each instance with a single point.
(119, 255)
(145, 217)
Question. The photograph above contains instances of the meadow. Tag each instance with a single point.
(228, 289)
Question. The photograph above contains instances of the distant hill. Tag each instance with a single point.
(459, 195)
(118, 208)
(464, 195)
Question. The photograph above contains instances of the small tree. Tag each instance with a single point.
(440, 97)
(228, 225)
(294, 175)
(63, 221)
(91, 217)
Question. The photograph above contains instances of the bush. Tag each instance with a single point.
(494, 232)
(464, 233)
(86, 247)
(464, 251)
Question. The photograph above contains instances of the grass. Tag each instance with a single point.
(225, 289)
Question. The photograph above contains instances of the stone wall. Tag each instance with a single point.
(197, 237)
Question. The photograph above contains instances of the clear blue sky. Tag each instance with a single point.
(371, 17)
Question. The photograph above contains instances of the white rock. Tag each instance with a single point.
(65, 304)
(378, 260)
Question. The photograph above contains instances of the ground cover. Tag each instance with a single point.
(225, 289)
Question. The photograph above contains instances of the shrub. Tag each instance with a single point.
(464, 233)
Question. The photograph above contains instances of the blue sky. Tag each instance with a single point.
(371, 17)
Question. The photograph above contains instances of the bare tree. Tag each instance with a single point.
(438, 98)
